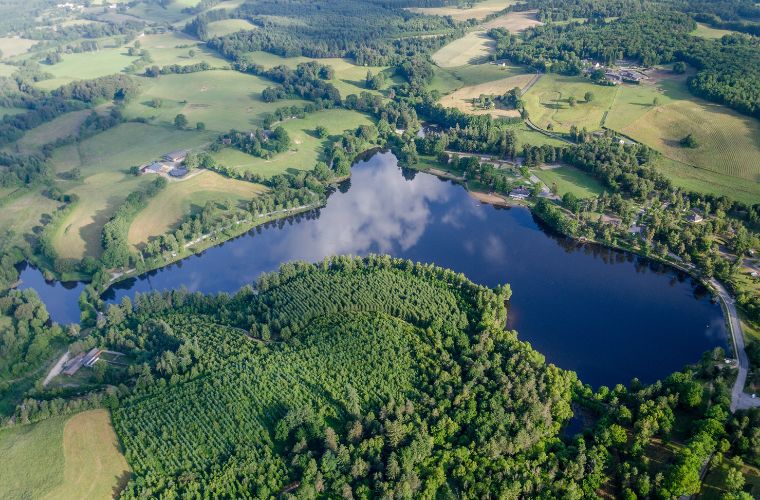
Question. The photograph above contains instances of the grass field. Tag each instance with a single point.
(349, 78)
(570, 180)
(104, 160)
(548, 102)
(182, 197)
(22, 210)
(306, 146)
(446, 80)
(705, 31)
(62, 458)
(221, 99)
(227, 26)
(526, 135)
(164, 50)
(13, 46)
(514, 21)
(462, 99)
(63, 126)
(86, 65)
(472, 48)
(477, 11)
(706, 181)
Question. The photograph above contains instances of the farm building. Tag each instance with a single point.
(178, 172)
(92, 357)
(176, 156)
(73, 365)
(153, 168)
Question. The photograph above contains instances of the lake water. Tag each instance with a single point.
(608, 315)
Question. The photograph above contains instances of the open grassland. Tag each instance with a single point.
(514, 21)
(221, 99)
(169, 207)
(13, 46)
(570, 180)
(305, 149)
(227, 26)
(478, 10)
(463, 98)
(103, 161)
(728, 143)
(349, 78)
(63, 126)
(446, 80)
(86, 65)
(548, 102)
(22, 210)
(526, 135)
(705, 31)
(174, 48)
(706, 181)
(474, 47)
(7, 69)
(171, 13)
(62, 458)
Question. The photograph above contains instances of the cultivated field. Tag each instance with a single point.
(477, 11)
(514, 21)
(305, 149)
(446, 80)
(227, 26)
(462, 99)
(706, 181)
(179, 198)
(547, 102)
(62, 458)
(86, 65)
(174, 48)
(221, 99)
(472, 48)
(570, 180)
(104, 160)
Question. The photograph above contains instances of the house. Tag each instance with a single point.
(178, 172)
(519, 193)
(153, 168)
(92, 357)
(695, 218)
(176, 156)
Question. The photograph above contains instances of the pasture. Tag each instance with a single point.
(62, 458)
(705, 31)
(473, 48)
(463, 98)
(103, 160)
(21, 210)
(526, 135)
(174, 47)
(477, 11)
(227, 26)
(185, 196)
(548, 102)
(514, 21)
(220, 99)
(85, 65)
(306, 147)
(349, 78)
(15, 46)
(446, 80)
(60, 127)
(570, 180)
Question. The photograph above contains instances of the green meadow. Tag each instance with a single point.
(86, 65)
(570, 180)
(173, 47)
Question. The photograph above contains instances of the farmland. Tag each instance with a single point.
(103, 161)
(15, 46)
(227, 26)
(477, 11)
(189, 195)
(174, 48)
(462, 99)
(62, 458)
(472, 48)
(61, 127)
(548, 102)
(305, 149)
(220, 99)
(86, 65)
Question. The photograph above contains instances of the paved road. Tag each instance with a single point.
(740, 400)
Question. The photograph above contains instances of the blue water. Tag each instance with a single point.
(608, 315)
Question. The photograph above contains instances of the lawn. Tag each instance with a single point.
(548, 102)
(570, 180)
(227, 26)
(349, 78)
(62, 458)
(306, 146)
(478, 10)
(179, 198)
(174, 47)
(103, 160)
(86, 65)
(221, 99)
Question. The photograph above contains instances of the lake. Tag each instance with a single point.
(608, 315)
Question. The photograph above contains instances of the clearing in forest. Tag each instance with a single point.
(227, 26)
(477, 11)
(305, 145)
(705, 31)
(178, 199)
(514, 21)
(62, 458)
(464, 98)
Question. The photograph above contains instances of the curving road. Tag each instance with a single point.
(740, 400)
